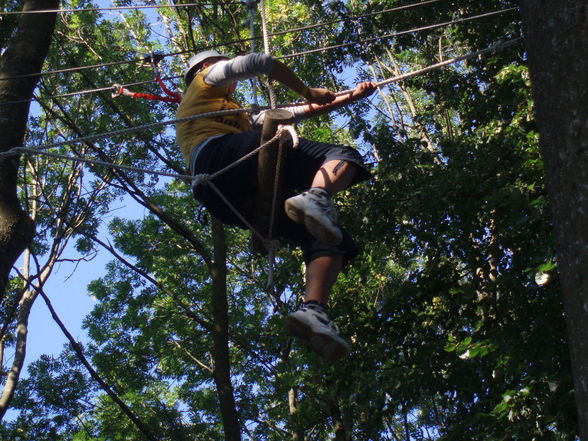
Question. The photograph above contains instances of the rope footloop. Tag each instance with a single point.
(206, 179)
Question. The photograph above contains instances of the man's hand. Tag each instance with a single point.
(328, 101)
(318, 95)
(363, 90)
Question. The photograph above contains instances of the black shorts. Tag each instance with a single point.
(238, 185)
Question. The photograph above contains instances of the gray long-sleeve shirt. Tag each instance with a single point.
(225, 72)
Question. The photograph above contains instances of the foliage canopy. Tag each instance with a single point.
(453, 336)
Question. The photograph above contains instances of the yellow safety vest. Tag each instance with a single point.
(203, 98)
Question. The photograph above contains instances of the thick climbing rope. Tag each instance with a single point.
(205, 179)
(267, 49)
(295, 142)
(271, 246)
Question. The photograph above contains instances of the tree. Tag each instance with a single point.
(22, 59)
(20, 63)
(555, 36)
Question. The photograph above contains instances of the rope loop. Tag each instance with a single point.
(117, 90)
(272, 246)
(251, 4)
(290, 129)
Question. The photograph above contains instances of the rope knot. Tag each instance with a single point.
(200, 179)
(254, 109)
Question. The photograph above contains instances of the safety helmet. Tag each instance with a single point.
(196, 60)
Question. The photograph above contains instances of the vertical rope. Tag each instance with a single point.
(252, 6)
(267, 48)
(272, 246)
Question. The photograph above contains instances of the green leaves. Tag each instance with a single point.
(447, 321)
(468, 348)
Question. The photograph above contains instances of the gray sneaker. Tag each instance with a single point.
(312, 324)
(314, 209)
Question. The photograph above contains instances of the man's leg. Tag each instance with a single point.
(311, 322)
(332, 247)
(334, 176)
(321, 275)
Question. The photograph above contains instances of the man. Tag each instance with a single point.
(319, 170)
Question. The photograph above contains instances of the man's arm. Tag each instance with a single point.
(306, 111)
(225, 72)
(282, 73)
(246, 66)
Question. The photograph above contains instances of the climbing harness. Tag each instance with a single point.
(119, 90)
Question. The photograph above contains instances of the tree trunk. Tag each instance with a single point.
(297, 430)
(24, 56)
(221, 356)
(338, 425)
(556, 34)
(20, 353)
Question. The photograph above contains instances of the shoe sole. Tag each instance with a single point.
(316, 228)
(328, 348)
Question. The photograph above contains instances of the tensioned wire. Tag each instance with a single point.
(396, 34)
(114, 8)
(85, 92)
(245, 40)
(42, 148)
(232, 42)
(325, 48)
